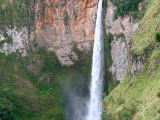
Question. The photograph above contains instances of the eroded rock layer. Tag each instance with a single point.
(61, 23)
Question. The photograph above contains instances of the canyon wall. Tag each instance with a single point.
(59, 25)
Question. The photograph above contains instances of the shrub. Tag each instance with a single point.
(109, 37)
(8, 39)
(111, 99)
(5, 35)
(134, 14)
(120, 100)
(158, 95)
(157, 37)
(12, 25)
(51, 63)
(158, 110)
(6, 108)
(84, 61)
(131, 52)
(1, 43)
(7, 101)
(3, 7)
(119, 35)
(42, 50)
(108, 60)
(66, 18)
(122, 26)
(10, 107)
(142, 11)
(115, 15)
(127, 112)
(125, 6)
(104, 4)
(35, 44)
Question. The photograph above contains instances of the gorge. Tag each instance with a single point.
(46, 60)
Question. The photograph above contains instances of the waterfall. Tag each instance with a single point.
(97, 73)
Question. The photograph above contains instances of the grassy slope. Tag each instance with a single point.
(145, 87)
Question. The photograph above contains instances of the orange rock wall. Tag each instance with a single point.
(58, 24)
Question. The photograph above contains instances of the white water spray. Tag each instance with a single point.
(97, 75)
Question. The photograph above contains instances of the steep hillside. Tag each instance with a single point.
(27, 92)
(137, 96)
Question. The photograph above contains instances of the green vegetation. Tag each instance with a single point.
(12, 13)
(143, 90)
(127, 112)
(16, 13)
(6, 106)
(110, 84)
(141, 93)
(158, 95)
(8, 39)
(131, 53)
(66, 18)
(120, 100)
(129, 7)
(138, 15)
(83, 64)
(157, 37)
(125, 6)
(42, 50)
(104, 4)
(144, 36)
(23, 94)
(119, 35)
(31, 86)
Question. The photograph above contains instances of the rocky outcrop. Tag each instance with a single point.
(123, 27)
(20, 41)
(135, 68)
(59, 24)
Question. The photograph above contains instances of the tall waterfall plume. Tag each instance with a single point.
(97, 74)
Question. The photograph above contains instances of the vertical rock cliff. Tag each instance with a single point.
(122, 29)
(58, 24)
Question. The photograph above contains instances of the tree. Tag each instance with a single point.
(157, 37)
(6, 108)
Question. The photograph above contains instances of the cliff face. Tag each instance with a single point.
(124, 28)
(58, 24)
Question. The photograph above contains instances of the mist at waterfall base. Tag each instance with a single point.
(76, 97)
(79, 104)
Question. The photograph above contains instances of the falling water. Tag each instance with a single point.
(97, 75)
